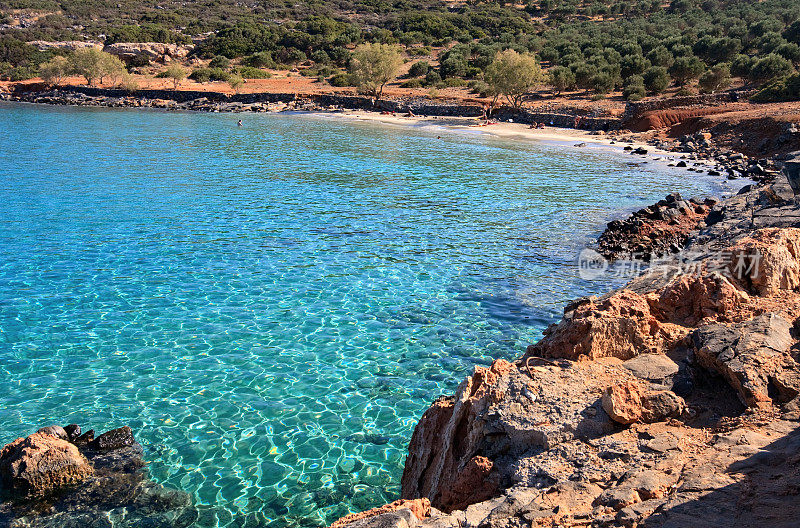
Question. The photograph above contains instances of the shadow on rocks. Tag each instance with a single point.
(764, 492)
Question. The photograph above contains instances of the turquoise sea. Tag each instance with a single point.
(272, 307)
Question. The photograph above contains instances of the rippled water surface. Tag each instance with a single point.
(272, 307)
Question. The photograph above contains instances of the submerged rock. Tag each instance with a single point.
(49, 481)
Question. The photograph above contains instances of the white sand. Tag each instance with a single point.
(568, 136)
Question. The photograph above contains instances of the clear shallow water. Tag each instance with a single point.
(272, 307)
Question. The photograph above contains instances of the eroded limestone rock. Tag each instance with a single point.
(400, 514)
(42, 463)
(754, 356)
(767, 262)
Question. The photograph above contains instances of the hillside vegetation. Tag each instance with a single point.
(639, 47)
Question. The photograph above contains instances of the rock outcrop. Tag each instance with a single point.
(768, 261)
(625, 324)
(754, 356)
(656, 230)
(154, 51)
(399, 514)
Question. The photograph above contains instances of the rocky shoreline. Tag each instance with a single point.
(674, 401)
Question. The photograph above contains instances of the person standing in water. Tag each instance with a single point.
(240, 123)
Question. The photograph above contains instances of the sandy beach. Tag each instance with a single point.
(562, 136)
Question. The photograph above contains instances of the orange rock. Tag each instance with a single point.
(689, 300)
(620, 326)
(623, 402)
(626, 324)
(440, 459)
(42, 463)
(474, 483)
(768, 261)
(421, 508)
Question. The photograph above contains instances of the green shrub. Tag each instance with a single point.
(432, 78)
(656, 79)
(220, 62)
(341, 80)
(789, 51)
(770, 67)
(634, 89)
(715, 79)
(583, 74)
(204, 75)
(262, 59)
(686, 68)
(419, 69)
(412, 83)
(453, 66)
(320, 57)
(741, 65)
(602, 83)
(22, 73)
(248, 72)
(138, 61)
(561, 79)
(452, 82)
(480, 88)
(780, 90)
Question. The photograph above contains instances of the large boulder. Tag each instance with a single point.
(65, 479)
(41, 463)
(754, 357)
(464, 448)
(766, 262)
(629, 402)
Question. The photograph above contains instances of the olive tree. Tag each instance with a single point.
(513, 75)
(561, 79)
(770, 67)
(54, 70)
(176, 73)
(93, 64)
(717, 78)
(656, 79)
(374, 65)
(686, 68)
